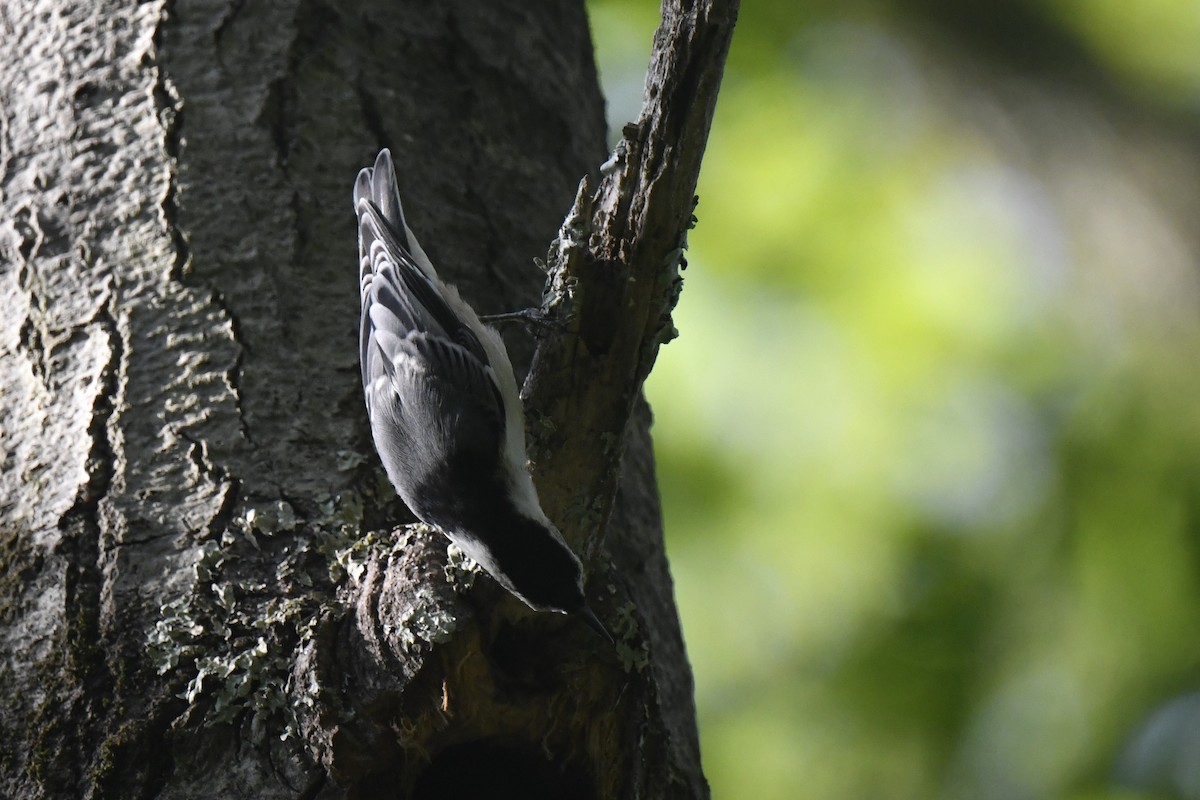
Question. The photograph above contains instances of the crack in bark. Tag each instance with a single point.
(6, 148)
(101, 457)
(273, 117)
(170, 114)
(220, 521)
(30, 340)
(230, 487)
(80, 544)
(170, 117)
(307, 29)
(29, 230)
(233, 376)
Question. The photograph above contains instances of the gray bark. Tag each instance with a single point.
(207, 589)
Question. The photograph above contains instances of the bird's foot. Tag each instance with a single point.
(532, 317)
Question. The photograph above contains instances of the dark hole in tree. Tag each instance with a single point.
(488, 769)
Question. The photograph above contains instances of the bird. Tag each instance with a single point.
(445, 413)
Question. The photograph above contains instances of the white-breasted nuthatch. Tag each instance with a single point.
(445, 413)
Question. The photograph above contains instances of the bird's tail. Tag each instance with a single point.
(378, 185)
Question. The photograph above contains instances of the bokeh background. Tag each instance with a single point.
(929, 444)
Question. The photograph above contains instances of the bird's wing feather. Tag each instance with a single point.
(419, 441)
(405, 317)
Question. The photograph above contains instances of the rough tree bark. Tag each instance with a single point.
(207, 587)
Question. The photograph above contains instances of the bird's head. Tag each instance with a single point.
(531, 560)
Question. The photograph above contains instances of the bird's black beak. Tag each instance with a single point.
(594, 623)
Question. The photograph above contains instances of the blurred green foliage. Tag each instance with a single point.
(929, 444)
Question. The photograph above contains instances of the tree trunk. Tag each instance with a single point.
(207, 587)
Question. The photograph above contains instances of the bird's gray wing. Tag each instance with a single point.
(411, 294)
(408, 332)
(433, 420)
(399, 326)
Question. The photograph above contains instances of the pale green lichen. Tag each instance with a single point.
(427, 620)
(175, 635)
(224, 594)
(271, 518)
(461, 570)
(207, 561)
(266, 519)
(348, 460)
(349, 560)
(344, 509)
(236, 671)
(236, 649)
